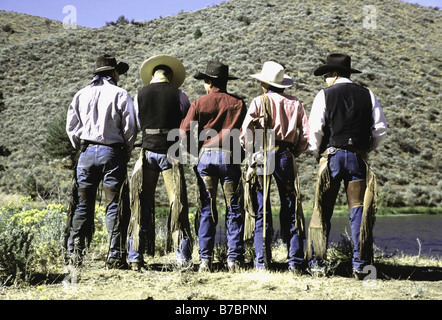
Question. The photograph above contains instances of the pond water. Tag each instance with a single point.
(391, 233)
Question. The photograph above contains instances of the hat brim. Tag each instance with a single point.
(121, 68)
(203, 76)
(179, 72)
(330, 68)
(287, 82)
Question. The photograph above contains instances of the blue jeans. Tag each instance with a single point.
(284, 175)
(154, 164)
(217, 166)
(98, 163)
(348, 166)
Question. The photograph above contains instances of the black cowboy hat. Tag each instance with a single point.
(107, 62)
(215, 70)
(336, 62)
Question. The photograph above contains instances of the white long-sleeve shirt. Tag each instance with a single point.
(104, 114)
(317, 120)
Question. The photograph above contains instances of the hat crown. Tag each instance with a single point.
(217, 69)
(339, 59)
(336, 62)
(273, 72)
(106, 61)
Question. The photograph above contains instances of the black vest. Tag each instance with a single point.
(348, 117)
(159, 108)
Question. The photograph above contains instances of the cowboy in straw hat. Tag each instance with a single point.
(101, 102)
(161, 106)
(220, 114)
(283, 116)
(346, 122)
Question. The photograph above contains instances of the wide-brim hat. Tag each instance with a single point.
(107, 62)
(179, 72)
(273, 74)
(215, 70)
(336, 62)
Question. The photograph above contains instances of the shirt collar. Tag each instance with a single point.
(216, 90)
(342, 80)
(99, 80)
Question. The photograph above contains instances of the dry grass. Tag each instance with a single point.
(8, 198)
(398, 277)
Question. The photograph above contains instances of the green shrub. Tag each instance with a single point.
(32, 238)
(16, 255)
(197, 34)
(58, 145)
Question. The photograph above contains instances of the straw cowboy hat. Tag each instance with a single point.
(107, 62)
(147, 67)
(273, 74)
(336, 62)
(215, 70)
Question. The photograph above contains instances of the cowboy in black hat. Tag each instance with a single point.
(218, 114)
(346, 122)
(101, 122)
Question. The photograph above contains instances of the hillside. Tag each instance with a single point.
(24, 27)
(401, 60)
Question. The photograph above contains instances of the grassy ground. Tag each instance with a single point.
(392, 278)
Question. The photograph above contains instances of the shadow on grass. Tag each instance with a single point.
(384, 271)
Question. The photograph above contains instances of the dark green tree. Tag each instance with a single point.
(197, 34)
(120, 21)
(58, 145)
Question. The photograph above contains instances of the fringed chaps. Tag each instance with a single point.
(136, 187)
(178, 219)
(250, 184)
(317, 231)
(178, 224)
(368, 217)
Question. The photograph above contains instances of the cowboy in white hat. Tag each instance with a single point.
(346, 122)
(284, 116)
(160, 106)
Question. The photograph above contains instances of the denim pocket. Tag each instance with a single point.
(333, 163)
(355, 166)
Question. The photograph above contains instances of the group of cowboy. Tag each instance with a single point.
(346, 123)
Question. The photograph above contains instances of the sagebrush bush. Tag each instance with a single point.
(32, 239)
(16, 255)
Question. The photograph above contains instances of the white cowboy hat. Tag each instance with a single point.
(273, 73)
(147, 67)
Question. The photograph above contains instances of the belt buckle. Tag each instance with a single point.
(332, 150)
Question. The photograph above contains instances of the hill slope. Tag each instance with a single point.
(401, 62)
